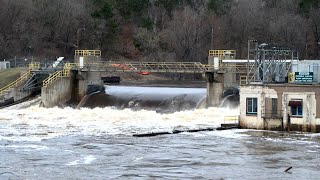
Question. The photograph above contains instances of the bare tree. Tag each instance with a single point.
(12, 25)
(315, 26)
(189, 34)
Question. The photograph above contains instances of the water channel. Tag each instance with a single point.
(67, 143)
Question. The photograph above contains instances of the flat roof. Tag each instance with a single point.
(245, 61)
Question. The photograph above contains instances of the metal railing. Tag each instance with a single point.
(27, 75)
(173, 67)
(15, 83)
(65, 73)
(272, 114)
(235, 67)
(222, 53)
(169, 67)
(88, 53)
(153, 67)
(34, 66)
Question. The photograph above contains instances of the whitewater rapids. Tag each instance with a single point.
(34, 122)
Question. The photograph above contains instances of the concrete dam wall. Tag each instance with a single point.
(58, 93)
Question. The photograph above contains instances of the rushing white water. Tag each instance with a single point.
(55, 143)
(35, 123)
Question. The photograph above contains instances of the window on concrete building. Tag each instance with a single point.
(296, 111)
(274, 106)
(296, 107)
(252, 105)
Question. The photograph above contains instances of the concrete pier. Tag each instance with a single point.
(57, 94)
(215, 87)
(69, 89)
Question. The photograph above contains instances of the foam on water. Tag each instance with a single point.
(84, 160)
(35, 124)
(233, 134)
(28, 147)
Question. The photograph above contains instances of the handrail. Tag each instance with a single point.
(59, 74)
(88, 53)
(32, 66)
(52, 78)
(272, 114)
(160, 66)
(15, 83)
(148, 66)
(220, 53)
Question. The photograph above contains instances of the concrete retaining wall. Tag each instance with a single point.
(57, 94)
(17, 94)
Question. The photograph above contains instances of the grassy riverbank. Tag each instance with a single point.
(9, 75)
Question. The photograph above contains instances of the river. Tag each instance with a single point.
(66, 143)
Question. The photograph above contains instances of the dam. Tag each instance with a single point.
(99, 143)
(65, 82)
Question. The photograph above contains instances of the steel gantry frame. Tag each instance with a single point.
(268, 63)
(155, 67)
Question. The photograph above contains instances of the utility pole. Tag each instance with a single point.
(211, 38)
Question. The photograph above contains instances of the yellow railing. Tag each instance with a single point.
(71, 66)
(88, 53)
(222, 53)
(17, 82)
(7, 88)
(34, 66)
(59, 74)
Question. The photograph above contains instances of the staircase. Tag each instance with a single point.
(65, 73)
(15, 83)
(20, 80)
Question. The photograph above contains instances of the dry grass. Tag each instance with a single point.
(9, 75)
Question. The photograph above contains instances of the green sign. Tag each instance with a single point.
(304, 77)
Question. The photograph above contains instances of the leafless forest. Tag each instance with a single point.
(155, 30)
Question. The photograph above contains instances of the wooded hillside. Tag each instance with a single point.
(156, 30)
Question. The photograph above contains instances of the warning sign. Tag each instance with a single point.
(304, 77)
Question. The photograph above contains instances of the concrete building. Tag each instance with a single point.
(284, 106)
(4, 65)
(280, 107)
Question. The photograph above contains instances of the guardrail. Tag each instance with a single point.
(58, 74)
(88, 53)
(174, 67)
(34, 66)
(272, 114)
(161, 67)
(15, 83)
(222, 53)
(27, 75)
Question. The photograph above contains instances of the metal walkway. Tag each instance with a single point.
(154, 67)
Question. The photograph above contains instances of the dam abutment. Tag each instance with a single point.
(215, 88)
(70, 89)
